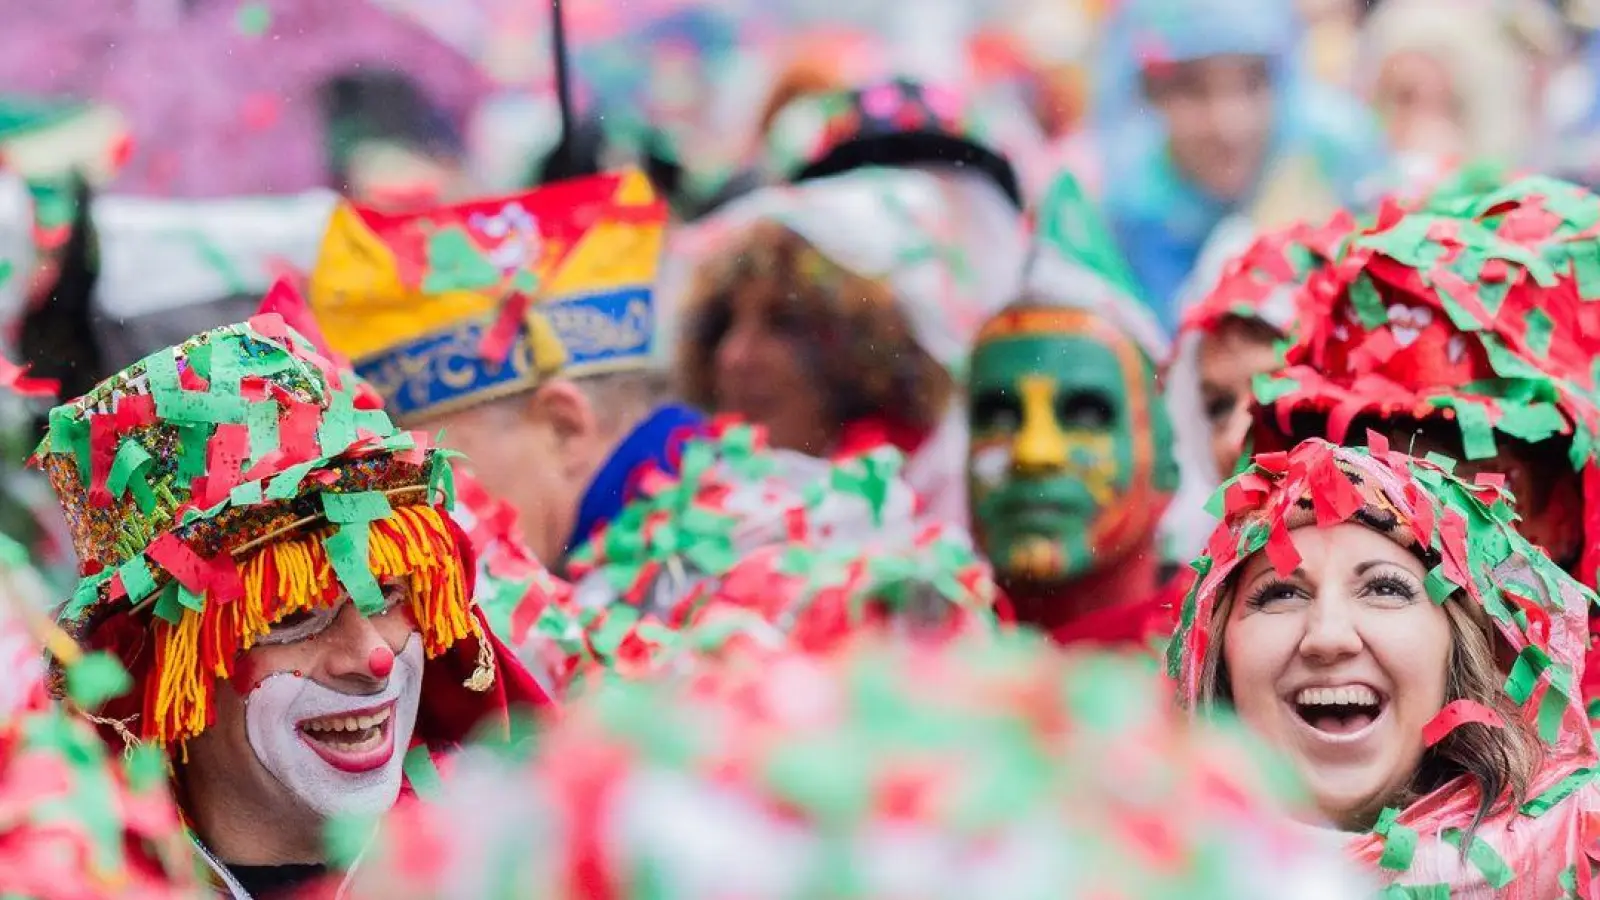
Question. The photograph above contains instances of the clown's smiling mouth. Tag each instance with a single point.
(358, 741)
(1340, 712)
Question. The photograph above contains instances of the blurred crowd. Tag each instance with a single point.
(1047, 448)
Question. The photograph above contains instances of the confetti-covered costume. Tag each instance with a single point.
(220, 485)
(1549, 845)
(889, 771)
(81, 823)
(1472, 310)
(810, 550)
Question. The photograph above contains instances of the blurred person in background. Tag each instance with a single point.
(1202, 112)
(838, 311)
(387, 144)
(1460, 80)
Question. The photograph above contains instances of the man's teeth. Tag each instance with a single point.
(346, 723)
(1355, 695)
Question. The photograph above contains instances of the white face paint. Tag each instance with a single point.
(336, 778)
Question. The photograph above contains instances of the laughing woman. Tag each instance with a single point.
(1384, 624)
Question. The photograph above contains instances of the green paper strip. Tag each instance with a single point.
(422, 772)
(131, 458)
(1399, 842)
(146, 768)
(167, 606)
(96, 678)
(1417, 892)
(1484, 857)
(247, 494)
(1368, 305)
(1477, 435)
(286, 484)
(1552, 709)
(1539, 329)
(349, 552)
(1439, 585)
(262, 420)
(190, 600)
(137, 578)
(356, 509)
(1558, 792)
(1525, 672)
(86, 594)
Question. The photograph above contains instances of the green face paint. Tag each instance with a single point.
(1062, 468)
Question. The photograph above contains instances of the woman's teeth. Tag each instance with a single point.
(1338, 710)
(1355, 695)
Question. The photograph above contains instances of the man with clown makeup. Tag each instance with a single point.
(1070, 467)
(274, 564)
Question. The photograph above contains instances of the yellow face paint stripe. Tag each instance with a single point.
(1040, 442)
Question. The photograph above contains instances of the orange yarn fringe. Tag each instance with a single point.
(288, 576)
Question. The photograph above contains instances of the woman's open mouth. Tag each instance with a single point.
(358, 741)
(1342, 713)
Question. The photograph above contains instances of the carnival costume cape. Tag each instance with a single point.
(220, 485)
(884, 769)
(1548, 845)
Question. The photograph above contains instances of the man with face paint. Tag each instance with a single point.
(1070, 467)
(274, 564)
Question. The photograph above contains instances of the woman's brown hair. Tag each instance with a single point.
(1500, 761)
(848, 329)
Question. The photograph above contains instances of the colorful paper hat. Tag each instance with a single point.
(1466, 534)
(462, 304)
(182, 476)
(1481, 317)
(891, 123)
(980, 769)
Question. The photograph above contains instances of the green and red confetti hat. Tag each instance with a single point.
(1533, 612)
(1483, 317)
(982, 768)
(216, 486)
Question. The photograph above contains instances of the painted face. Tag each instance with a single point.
(1062, 468)
(1341, 664)
(1219, 115)
(317, 719)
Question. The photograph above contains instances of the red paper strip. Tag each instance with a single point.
(102, 452)
(182, 563)
(1455, 715)
(226, 453)
(15, 378)
(134, 411)
(223, 582)
(1281, 551)
(496, 343)
(297, 432)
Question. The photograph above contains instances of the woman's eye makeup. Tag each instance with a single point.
(1273, 591)
(1392, 585)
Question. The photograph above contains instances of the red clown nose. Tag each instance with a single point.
(381, 662)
